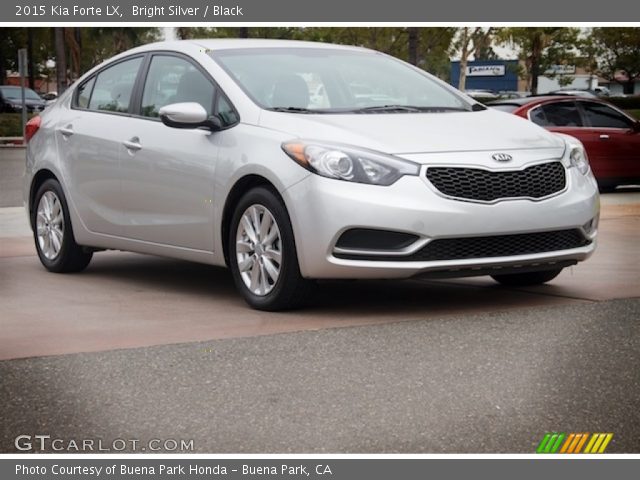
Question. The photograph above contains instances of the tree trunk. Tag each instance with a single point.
(536, 56)
(464, 59)
(243, 32)
(61, 61)
(413, 45)
(3, 67)
(31, 63)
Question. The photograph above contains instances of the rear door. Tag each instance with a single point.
(616, 145)
(89, 136)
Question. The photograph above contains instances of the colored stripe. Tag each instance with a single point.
(599, 441)
(550, 443)
(543, 443)
(572, 448)
(567, 442)
(593, 439)
(555, 447)
(606, 441)
(584, 439)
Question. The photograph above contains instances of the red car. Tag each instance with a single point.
(611, 137)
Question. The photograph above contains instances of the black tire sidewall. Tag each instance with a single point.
(289, 269)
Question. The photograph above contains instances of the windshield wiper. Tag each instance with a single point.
(293, 110)
(407, 109)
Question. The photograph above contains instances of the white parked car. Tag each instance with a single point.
(209, 151)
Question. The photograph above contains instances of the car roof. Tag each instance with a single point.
(520, 102)
(248, 43)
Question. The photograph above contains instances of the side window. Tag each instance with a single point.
(175, 80)
(84, 93)
(562, 114)
(599, 115)
(226, 112)
(538, 117)
(113, 86)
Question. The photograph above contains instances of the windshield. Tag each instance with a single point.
(14, 93)
(334, 81)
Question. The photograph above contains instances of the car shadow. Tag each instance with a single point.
(361, 298)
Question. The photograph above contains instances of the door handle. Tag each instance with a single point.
(604, 136)
(133, 144)
(67, 131)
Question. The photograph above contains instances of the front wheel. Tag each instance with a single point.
(262, 253)
(52, 231)
(528, 278)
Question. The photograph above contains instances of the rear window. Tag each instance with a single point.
(114, 86)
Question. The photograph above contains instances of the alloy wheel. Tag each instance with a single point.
(259, 250)
(50, 225)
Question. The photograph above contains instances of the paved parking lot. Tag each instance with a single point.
(143, 347)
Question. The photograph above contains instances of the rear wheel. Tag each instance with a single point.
(262, 253)
(528, 278)
(53, 233)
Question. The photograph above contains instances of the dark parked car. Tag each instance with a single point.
(610, 136)
(11, 100)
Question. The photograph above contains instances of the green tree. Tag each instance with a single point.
(37, 41)
(615, 51)
(540, 48)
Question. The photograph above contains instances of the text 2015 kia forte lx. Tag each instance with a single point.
(292, 161)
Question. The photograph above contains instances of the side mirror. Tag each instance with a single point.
(636, 126)
(188, 115)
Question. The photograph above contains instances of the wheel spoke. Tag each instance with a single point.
(255, 222)
(248, 228)
(271, 269)
(56, 238)
(273, 255)
(46, 206)
(56, 210)
(243, 247)
(265, 225)
(246, 264)
(263, 280)
(255, 274)
(271, 236)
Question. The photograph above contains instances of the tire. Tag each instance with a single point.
(264, 264)
(528, 278)
(52, 228)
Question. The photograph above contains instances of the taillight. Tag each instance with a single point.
(31, 128)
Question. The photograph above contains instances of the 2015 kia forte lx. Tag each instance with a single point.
(291, 161)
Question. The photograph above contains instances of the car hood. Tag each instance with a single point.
(417, 133)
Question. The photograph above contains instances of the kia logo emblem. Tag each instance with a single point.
(502, 157)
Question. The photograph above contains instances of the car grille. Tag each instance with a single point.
(537, 181)
(486, 247)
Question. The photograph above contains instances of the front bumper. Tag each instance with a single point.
(322, 209)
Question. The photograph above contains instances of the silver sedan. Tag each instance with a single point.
(291, 161)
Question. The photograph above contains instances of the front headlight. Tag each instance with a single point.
(349, 163)
(578, 158)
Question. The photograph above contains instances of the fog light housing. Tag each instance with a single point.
(591, 226)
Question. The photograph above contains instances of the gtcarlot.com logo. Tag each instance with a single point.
(44, 443)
